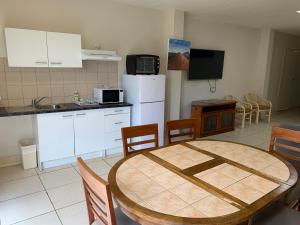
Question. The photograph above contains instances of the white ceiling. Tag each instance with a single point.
(277, 14)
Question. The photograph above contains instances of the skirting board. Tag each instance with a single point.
(60, 162)
(113, 151)
(11, 160)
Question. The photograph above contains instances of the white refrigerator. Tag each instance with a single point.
(147, 94)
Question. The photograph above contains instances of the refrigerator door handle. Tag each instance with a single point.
(150, 102)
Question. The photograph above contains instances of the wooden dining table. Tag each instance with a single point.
(199, 182)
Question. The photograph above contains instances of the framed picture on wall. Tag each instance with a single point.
(178, 54)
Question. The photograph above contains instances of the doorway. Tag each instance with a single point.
(289, 86)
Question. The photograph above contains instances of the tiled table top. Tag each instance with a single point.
(200, 180)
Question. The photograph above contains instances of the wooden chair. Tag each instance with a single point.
(99, 199)
(260, 106)
(139, 131)
(242, 110)
(186, 127)
(285, 141)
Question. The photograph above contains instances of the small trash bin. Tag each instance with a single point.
(28, 151)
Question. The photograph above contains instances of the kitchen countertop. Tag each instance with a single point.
(64, 107)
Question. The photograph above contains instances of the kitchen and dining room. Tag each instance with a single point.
(122, 112)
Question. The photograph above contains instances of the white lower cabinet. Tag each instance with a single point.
(55, 136)
(88, 128)
(115, 119)
(113, 139)
(61, 137)
(114, 122)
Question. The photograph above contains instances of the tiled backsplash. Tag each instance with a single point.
(18, 86)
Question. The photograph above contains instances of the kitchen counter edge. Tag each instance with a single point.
(65, 107)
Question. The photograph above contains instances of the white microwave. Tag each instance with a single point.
(112, 95)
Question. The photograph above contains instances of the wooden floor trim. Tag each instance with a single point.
(206, 186)
(202, 167)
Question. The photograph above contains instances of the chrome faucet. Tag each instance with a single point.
(36, 101)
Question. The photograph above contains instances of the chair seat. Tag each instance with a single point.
(264, 107)
(121, 218)
(261, 107)
(241, 110)
(278, 214)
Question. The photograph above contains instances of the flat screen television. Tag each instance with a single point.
(206, 64)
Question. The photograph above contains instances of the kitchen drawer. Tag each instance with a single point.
(110, 111)
(113, 140)
(114, 122)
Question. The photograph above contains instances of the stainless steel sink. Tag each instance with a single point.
(54, 106)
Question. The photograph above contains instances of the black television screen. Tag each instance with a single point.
(206, 64)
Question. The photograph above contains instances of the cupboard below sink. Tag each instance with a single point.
(63, 136)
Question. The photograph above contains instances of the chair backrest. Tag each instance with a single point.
(238, 101)
(250, 97)
(286, 143)
(186, 127)
(139, 131)
(98, 196)
(228, 97)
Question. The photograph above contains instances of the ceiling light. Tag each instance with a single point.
(298, 11)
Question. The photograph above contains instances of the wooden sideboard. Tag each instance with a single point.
(213, 116)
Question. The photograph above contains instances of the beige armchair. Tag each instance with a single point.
(243, 109)
(261, 106)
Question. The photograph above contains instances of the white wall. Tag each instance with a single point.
(13, 129)
(174, 29)
(240, 65)
(282, 42)
(113, 26)
(265, 52)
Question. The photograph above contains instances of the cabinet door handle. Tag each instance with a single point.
(118, 139)
(41, 62)
(121, 110)
(118, 123)
(67, 116)
(56, 63)
(81, 114)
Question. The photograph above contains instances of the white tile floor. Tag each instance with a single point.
(55, 196)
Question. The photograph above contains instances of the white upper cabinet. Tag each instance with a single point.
(64, 50)
(31, 48)
(26, 48)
